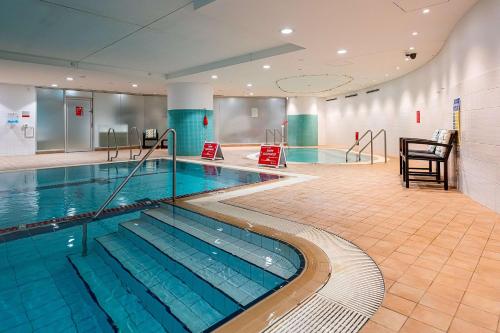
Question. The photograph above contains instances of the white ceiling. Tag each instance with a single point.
(110, 44)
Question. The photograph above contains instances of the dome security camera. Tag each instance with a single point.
(411, 55)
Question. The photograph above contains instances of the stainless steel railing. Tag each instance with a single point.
(371, 142)
(109, 147)
(125, 181)
(275, 132)
(357, 143)
(133, 156)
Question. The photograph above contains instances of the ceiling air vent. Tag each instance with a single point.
(331, 99)
(372, 91)
(352, 95)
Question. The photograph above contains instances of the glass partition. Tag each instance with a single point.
(50, 119)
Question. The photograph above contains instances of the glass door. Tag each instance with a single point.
(78, 124)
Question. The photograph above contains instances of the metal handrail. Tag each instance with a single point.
(269, 130)
(385, 145)
(357, 143)
(125, 181)
(116, 145)
(274, 131)
(132, 157)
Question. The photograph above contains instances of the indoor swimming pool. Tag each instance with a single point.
(319, 155)
(165, 269)
(43, 194)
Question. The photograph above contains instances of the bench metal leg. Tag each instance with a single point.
(438, 172)
(400, 165)
(407, 171)
(446, 176)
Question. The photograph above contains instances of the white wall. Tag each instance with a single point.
(187, 95)
(468, 67)
(16, 99)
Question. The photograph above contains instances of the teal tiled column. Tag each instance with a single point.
(303, 130)
(191, 134)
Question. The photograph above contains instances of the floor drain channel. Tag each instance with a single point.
(319, 314)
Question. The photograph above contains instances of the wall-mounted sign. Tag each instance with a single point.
(79, 111)
(13, 118)
(457, 105)
(254, 112)
(273, 156)
(25, 114)
(212, 151)
(418, 117)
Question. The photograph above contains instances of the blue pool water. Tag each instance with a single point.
(165, 269)
(37, 195)
(162, 269)
(315, 155)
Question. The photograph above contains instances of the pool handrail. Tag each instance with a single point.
(116, 145)
(385, 145)
(133, 156)
(357, 143)
(131, 174)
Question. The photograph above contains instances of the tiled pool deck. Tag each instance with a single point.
(439, 251)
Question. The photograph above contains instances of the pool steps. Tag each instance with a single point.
(124, 308)
(172, 265)
(205, 266)
(164, 295)
(262, 252)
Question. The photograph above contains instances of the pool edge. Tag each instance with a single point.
(314, 276)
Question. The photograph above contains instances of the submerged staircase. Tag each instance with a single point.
(172, 270)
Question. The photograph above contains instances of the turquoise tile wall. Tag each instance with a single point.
(303, 130)
(190, 130)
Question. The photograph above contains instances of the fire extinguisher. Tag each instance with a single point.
(205, 120)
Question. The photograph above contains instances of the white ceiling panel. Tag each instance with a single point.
(182, 40)
(34, 27)
(139, 12)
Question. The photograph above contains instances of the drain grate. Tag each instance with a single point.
(319, 314)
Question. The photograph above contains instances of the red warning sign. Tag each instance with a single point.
(271, 155)
(212, 151)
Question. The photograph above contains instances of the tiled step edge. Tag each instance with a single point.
(247, 268)
(111, 296)
(285, 252)
(161, 216)
(221, 301)
(93, 296)
(159, 310)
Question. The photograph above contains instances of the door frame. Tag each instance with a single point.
(89, 99)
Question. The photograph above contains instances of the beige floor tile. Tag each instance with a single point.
(389, 318)
(431, 317)
(462, 326)
(415, 326)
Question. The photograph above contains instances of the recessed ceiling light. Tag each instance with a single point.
(135, 85)
(397, 68)
(249, 85)
(407, 59)
(414, 33)
(342, 51)
(251, 94)
(266, 66)
(286, 31)
(426, 11)
(69, 78)
(412, 48)
(54, 85)
(386, 75)
(214, 77)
